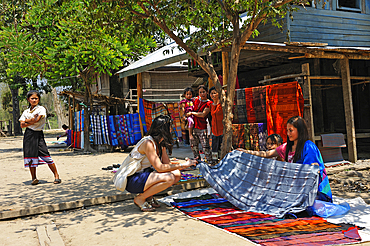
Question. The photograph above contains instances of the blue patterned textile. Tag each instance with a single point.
(263, 185)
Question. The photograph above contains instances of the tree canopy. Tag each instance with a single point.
(208, 25)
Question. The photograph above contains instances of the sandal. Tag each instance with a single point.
(35, 182)
(57, 181)
(146, 207)
(152, 201)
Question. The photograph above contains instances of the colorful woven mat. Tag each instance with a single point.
(265, 229)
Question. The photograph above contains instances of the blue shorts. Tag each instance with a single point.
(136, 182)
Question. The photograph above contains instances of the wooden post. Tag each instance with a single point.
(348, 109)
(307, 109)
(139, 88)
(225, 67)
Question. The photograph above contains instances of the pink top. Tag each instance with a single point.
(281, 151)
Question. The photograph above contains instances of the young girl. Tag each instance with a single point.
(34, 146)
(217, 126)
(187, 105)
(201, 110)
(299, 149)
(156, 173)
(272, 142)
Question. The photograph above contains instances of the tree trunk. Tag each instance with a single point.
(15, 101)
(87, 76)
(62, 119)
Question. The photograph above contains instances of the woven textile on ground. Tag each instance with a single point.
(265, 229)
(283, 101)
(263, 185)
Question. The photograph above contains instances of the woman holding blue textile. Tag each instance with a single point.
(299, 149)
(156, 173)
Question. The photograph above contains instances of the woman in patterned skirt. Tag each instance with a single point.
(34, 146)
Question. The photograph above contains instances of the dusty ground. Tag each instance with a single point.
(118, 223)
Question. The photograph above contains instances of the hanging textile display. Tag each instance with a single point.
(136, 127)
(112, 131)
(173, 109)
(142, 115)
(259, 103)
(148, 106)
(283, 101)
(249, 136)
(79, 120)
(241, 106)
(251, 116)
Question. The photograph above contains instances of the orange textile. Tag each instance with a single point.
(251, 115)
(283, 101)
(217, 117)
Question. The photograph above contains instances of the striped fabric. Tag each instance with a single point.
(105, 132)
(241, 106)
(253, 136)
(259, 103)
(173, 109)
(136, 127)
(130, 128)
(142, 115)
(251, 115)
(148, 106)
(263, 185)
(112, 132)
(119, 133)
(265, 229)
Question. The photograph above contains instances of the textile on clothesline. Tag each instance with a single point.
(259, 103)
(251, 115)
(238, 138)
(283, 101)
(148, 107)
(262, 136)
(173, 109)
(79, 120)
(142, 115)
(113, 134)
(241, 106)
(263, 185)
(136, 127)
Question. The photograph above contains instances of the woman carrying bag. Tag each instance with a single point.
(148, 170)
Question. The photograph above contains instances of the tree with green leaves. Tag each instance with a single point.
(212, 24)
(72, 38)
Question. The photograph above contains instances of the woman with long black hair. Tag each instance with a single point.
(34, 146)
(300, 149)
(156, 172)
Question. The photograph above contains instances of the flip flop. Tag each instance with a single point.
(35, 182)
(57, 181)
(152, 201)
(146, 207)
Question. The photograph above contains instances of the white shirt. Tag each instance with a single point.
(30, 114)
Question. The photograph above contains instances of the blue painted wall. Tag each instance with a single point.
(337, 28)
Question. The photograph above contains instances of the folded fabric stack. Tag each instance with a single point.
(189, 176)
(265, 229)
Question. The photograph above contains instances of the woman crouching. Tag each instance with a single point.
(156, 173)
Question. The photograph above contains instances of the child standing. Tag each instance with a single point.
(187, 105)
(34, 146)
